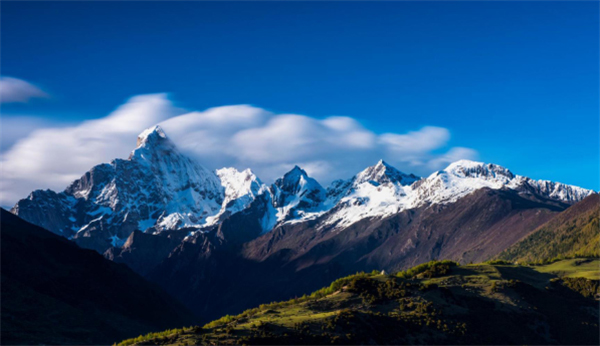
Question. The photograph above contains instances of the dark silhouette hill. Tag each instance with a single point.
(54, 292)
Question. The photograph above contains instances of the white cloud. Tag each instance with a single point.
(241, 136)
(18, 90)
(453, 155)
(53, 157)
(426, 139)
(14, 128)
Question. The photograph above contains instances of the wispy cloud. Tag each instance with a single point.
(241, 136)
(53, 157)
(14, 128)
(18, 90)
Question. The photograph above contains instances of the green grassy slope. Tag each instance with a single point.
(435, 303)
(573, 268)
(573, 233)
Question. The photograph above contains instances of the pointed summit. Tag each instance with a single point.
(383, 173)
(153, 143)
(151, 135)
(295, 180)
(294, 174)
(291, 178)
(296, 186)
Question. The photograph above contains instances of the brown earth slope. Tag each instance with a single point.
(218, 275)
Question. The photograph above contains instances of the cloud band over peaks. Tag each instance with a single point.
(240, 136)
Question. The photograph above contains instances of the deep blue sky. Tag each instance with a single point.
(517, 81)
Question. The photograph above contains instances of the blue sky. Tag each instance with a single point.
(515, 81)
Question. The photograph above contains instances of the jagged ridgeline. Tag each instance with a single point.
(158, 189)
(434, 303)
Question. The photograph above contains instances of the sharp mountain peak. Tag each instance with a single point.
(151, 135)
(383, 173)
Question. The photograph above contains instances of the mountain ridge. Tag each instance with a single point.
(159, 189)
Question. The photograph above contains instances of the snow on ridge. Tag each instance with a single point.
(362, 198)
(156, 187)
(240, 189)
(159, 189)
(150, 134)
(378, 190)
(381, 190)
(463, 177)
(382, 173)
(297, 197)
(238, 184)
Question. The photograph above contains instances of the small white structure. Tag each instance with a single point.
(383, 272)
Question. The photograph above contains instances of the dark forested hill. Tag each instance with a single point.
(574, 232)
(54, 292)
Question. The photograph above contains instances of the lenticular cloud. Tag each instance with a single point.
(18, 90)
(240, 136)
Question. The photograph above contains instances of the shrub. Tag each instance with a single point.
(150, 336)
(221, 321)
(430, 269)
(586, 287)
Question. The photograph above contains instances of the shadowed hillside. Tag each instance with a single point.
(54, 292)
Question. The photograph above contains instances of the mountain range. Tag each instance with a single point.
(203, 234)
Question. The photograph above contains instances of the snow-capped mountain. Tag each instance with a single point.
(240, 190)
(296, 195)
(382, 190)
(159, 189)
(178, 191)
(156, 188)
(463, 177)
(382, 173)
(376, 191)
